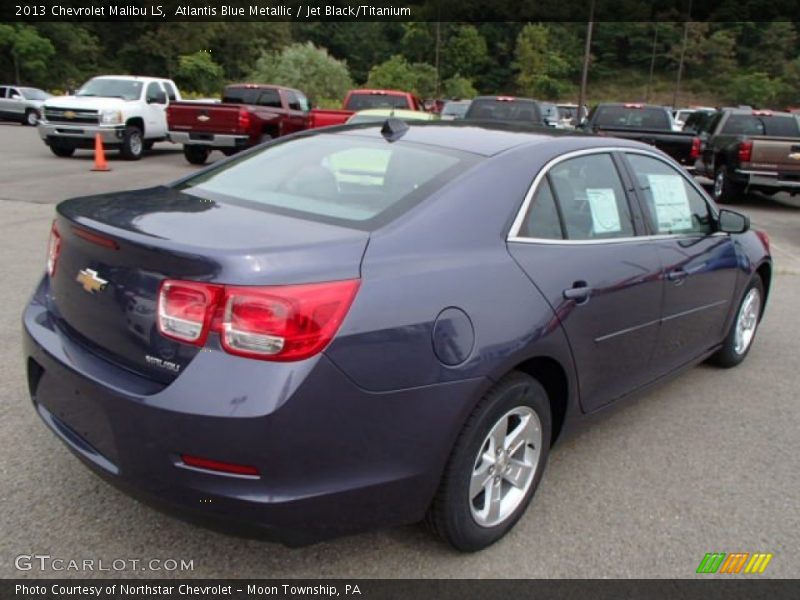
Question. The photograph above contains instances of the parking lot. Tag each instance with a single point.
(706, 463)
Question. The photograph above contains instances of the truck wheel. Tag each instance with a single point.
(132, 143)
(62, 150)
(31, 117)
(495, 466)
(197, 155)
(265, 138)
(726, 191)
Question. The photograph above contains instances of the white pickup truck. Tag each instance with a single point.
(128, 112)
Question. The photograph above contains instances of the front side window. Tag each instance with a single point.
(672, 204)
(591, 197)
(153, 90)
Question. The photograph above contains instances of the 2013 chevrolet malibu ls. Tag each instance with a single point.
(375, 325)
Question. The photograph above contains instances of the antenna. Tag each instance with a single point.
(393, 129)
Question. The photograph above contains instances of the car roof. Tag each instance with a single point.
(131, 77)
(261, 86)
(486, 139)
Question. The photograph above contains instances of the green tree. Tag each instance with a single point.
(757, 89)
(198, 72)
(399, 74)
(459, 87)
(464, 52)
(541, 68)
(29, 51)
(305, 67)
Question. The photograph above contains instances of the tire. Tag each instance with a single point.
(197, 155)
(62, 150)
(266, 137)
(460, 513)
(31, 117)
(726, 191)
(132, 143)
(738, 342)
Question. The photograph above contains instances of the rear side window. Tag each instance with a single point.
(170, 89)
(2, 92)
(591, 198)
(778, 125)
(271, 98)
(542, 221)
(672, 204)
(635, 118)
(352, 180)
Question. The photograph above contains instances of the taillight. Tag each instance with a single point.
(696, 147)
(185, 310)
(53, 250)
(745, 151)
(762, 235)
(209, 464)
(281, 323)
(244, 119)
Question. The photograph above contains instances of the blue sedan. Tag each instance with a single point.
(381, 324)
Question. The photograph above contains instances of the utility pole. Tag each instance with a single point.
(587, 52)
(683, 54)
(652, 64)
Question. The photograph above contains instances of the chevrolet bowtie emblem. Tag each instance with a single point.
(90, 281)
(795, 155)
(203, 117)
(68, 114)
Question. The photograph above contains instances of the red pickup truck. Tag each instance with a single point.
(361, 100)
(248, 115)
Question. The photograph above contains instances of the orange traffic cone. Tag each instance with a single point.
(100, 163)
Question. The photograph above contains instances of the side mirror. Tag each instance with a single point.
(730, 221)
(159, 98)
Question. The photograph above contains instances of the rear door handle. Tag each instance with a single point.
(580, 292)
(677, 276)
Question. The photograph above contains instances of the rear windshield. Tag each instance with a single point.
(634, 118)
(492, 109)
(346, 179)
(455, 108)
(368, 100)
(777, 125)
(549, 112)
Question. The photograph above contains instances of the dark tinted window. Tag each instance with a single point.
(672, 203)
(776, 125)
(2, 92)
(270, 98)
(241, 95)
(542, 219)
(636, 118)
(369, 100)
(152, 90)
(14, 93)
(698, 122)
(171, 93)
(591, 197)
(294, 101)
(512, 109)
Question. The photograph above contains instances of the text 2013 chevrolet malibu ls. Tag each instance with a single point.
(373, 325)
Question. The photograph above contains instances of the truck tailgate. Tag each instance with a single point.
(775, 154)
(205, 117)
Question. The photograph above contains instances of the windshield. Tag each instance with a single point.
(513, 109)
(568, 112)
(349, 179)
(370, 100)
(112, 88)
(34, 94)
(633, 117)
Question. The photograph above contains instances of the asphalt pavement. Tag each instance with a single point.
(706, 463)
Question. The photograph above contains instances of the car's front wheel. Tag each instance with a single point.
(495, 466)
(31, 117)
(132, 143)
(743, 329)
(62, 150)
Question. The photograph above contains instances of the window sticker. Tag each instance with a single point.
(605, 214)
(673, 211)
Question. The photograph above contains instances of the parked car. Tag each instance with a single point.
(375, 115)
(747, 149)
(455, 109)
(327, 360)
(21, 104)
(508, 109)
(249, 114)
(362, 100)
(681, 115)
(568, 115)
(128, 112)
(645, 123)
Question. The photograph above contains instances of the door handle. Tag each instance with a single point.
(580, 292)
(677, 276)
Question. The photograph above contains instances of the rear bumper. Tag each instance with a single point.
(332, 457)
(213, 140)
(80, 136)
(767, 179)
